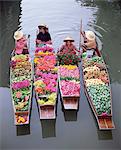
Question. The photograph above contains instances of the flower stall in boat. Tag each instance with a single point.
(46, 81)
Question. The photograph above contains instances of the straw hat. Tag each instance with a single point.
(68, 39)
(18, 35)
(90, 35)
(42, 25)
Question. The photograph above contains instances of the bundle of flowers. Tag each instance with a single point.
(21, 99)
(70, 88)
(46, 83)
(67, 58)
(69, 80)
(70, 71)
(48, 100)
(20, 85)
(24, 64)
(45, 64)
(46, 58)
(22, 118)
(38, 72)
(20, 58)
(44, 48)
(21, 78)
(21, 72)
(41, 54)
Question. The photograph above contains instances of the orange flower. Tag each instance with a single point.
(39, 90)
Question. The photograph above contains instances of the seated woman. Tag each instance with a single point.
(68, 47)
(43, 36)
(20, 43)
(89, 43)
(68, 53)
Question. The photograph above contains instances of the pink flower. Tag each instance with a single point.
(18, 94)
(104, 114)
(70, 88)
(64, 72)
(20, 85)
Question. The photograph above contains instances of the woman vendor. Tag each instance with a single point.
(89, 43)
(68, 53)
(43, 36)
(20, 43)
(68, 46)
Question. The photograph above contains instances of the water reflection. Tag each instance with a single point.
(10, 11)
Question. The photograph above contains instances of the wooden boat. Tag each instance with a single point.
(21, 97)
(104, 120)
(70, 100)
(47, 110)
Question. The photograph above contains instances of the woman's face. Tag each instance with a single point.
(42, 30)
(68, 43)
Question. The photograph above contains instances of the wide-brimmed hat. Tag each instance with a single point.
(18, 35)
(42, 26)
(90, 35)
(68, 39)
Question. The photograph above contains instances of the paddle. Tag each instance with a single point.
(81, 39)
(80, 34)
(28, 41)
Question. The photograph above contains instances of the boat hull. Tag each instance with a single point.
(22, 113)
(104, 122)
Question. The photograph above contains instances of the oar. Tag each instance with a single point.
(28, 41)
(80, 34)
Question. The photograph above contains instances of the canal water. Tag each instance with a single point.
(70, 130)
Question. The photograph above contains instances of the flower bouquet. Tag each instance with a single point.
(66, 59)
(44, 48)
(45, 82)
(69, 80)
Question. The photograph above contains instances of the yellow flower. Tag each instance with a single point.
(55, 69)
(52, 97)
(69, 67)
(38, 83)
(36, 60)
(41, 101)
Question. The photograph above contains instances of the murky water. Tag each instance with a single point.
(70, 130)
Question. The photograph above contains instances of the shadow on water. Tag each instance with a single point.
(70, 115)
(104, 135)
(22, 130)
(48, 128)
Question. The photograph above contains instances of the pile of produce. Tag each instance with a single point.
(21, 85)
(68, 57)
(97, 83)
(100, 95)
(69, 80)
(45, 76)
